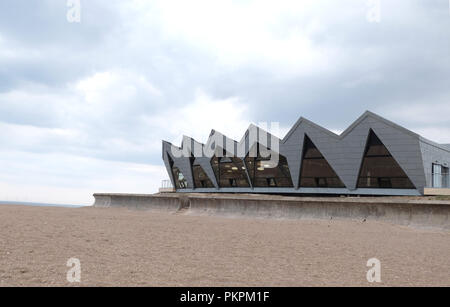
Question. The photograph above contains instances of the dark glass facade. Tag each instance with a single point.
(180, 180)
(230, 172)
(201, 180)
(265, 173)
(379, 169)
(316, 172)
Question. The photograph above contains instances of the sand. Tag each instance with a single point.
(119, 247)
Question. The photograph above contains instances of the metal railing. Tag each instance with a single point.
(166, 184)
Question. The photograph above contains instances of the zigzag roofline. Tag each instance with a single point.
(344, 152)
(187, 139)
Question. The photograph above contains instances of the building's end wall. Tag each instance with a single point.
(432, 154)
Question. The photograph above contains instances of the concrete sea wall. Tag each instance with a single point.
(421, 213)
(137, 202)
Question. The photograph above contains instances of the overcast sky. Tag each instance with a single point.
(84, 106)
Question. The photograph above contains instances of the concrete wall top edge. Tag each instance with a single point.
(291, 199)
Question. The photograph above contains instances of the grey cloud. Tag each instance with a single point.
(403, 59)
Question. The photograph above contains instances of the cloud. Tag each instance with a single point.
(245, 32)
(196, 119)
(71, 179)
(113, 87)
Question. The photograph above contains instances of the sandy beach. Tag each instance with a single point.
(119, 247)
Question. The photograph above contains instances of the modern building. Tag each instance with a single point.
(371, 157)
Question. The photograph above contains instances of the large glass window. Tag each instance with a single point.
(180, 180)
(379, 169)
(230, 172)
(316, 172)
(201, 180)
(440, 176)
(445, 177)
(265, 173)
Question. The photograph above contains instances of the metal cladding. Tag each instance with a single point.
(344, 153)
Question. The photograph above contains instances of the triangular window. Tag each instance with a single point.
(379, 169)
(316, 172)
(229, 172)
(272, 171)
(201, 180)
